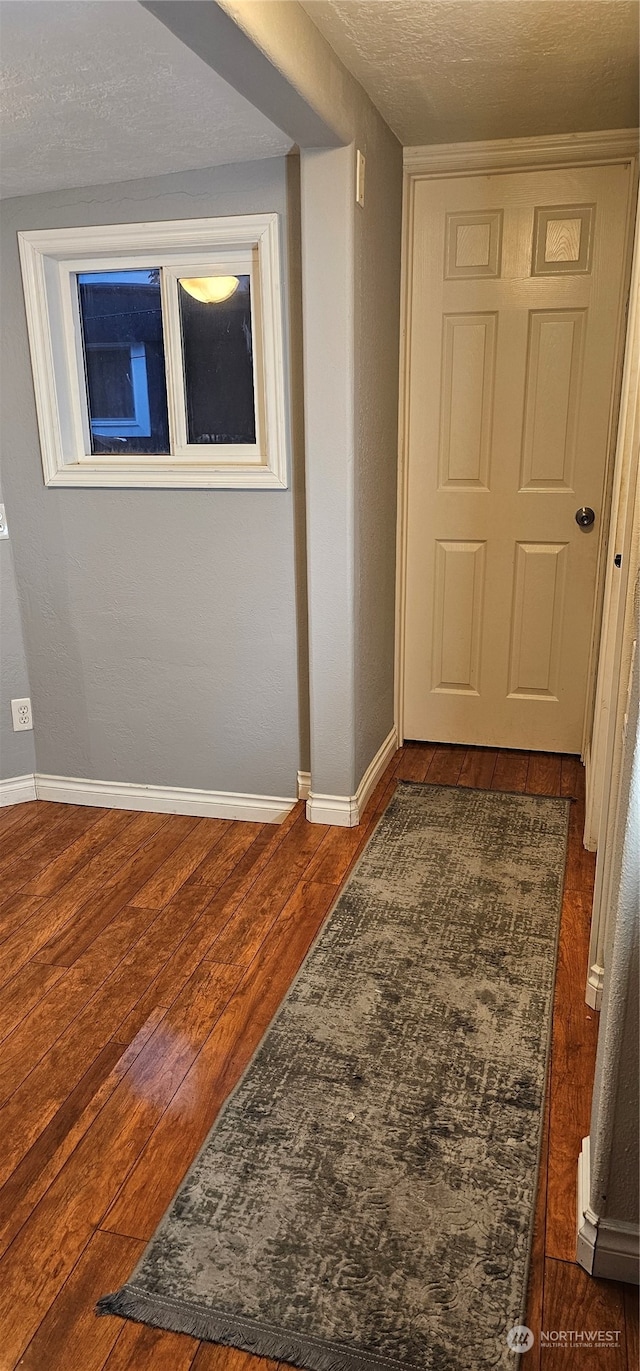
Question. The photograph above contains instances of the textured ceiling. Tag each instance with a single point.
(95, 91)
(445, 71)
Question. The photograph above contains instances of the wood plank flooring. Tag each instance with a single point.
(142, 956)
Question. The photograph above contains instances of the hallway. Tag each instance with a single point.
(144, 956)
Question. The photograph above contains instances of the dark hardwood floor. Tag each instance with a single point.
(143, 956)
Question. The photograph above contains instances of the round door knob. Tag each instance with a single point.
(585, 517)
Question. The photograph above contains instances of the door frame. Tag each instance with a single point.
(447, 160)
(619, 630)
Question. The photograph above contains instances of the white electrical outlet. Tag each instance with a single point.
(4, 532)
(21, 713)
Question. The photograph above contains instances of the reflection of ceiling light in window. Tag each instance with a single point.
(210, 290)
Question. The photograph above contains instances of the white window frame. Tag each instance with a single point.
(241, 245)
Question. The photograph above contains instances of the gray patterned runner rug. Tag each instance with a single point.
(365, 1199)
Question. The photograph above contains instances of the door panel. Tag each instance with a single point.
(536, 623)
(553, 376)
(468, 367)
(457, 618)
(514, 321)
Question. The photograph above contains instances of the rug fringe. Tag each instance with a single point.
(130, 1302)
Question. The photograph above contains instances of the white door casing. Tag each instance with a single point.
(619, 641)
(515, 298)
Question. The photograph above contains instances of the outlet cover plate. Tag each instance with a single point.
(21, 715)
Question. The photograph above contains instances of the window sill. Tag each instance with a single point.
(166, 476)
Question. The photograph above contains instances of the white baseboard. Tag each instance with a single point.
(605, 1248)
(345, 810)
(595, 984)
(17, 790)
(375, 768)
(341, 810)
(161, 799)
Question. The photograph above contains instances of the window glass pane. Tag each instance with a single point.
(124, 361)
(109, 374)
(215, 312)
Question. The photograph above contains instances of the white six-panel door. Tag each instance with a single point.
(515, 311)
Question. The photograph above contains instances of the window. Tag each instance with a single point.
(157, 353)
(120, 316)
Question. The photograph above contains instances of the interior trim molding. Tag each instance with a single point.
(346, 810)
(16, 790)
(605, 1248)
(304, 785)
(50, 259)
(159, 799)
(340, 810)
(617, 635)
(512, 154)
(595, 986)
(375, 768)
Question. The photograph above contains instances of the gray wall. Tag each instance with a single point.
(351, 291)
(277, 58)
(377, 349)
(17, 754)
(327, 246)
(160, 626)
